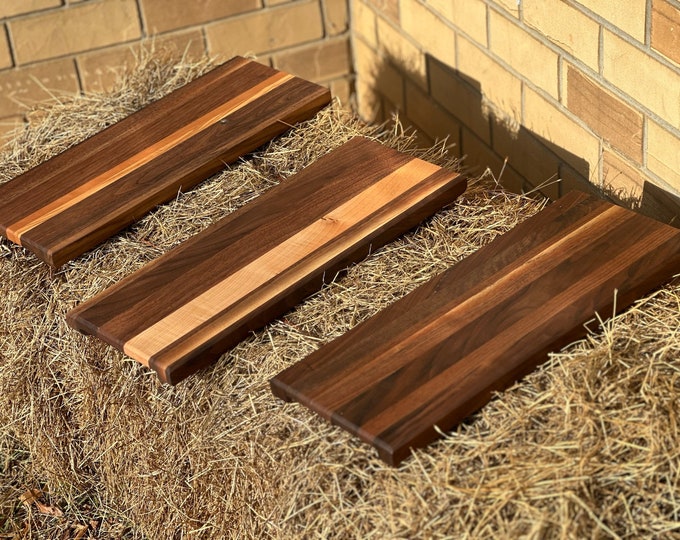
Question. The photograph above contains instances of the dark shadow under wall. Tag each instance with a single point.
(443, 102)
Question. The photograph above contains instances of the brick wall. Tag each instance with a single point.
(53, 46)
(575, 90)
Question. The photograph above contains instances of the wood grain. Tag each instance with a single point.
(77, 199)
(186, 308)
(437, 355)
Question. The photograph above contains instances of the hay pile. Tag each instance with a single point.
(585, 447)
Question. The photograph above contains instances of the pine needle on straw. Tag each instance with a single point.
(585, 447)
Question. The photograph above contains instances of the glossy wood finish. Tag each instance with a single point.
(77, 199)
(438, 354)
(186, 308)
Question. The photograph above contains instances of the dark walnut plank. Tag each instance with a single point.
(437, 355)
(182, 311)
(79, 198)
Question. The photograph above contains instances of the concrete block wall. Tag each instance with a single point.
(580, 91)
(53, 46)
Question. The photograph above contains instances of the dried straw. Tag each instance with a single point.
(586, 446)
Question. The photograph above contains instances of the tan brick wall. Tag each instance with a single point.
(579, 91)
(52, 46)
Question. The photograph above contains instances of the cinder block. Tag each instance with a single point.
(164, 15)
(429, 31)
(620, 177)
(73, 30)
(498, 86)
(402, 52)
(10, 8)
(663, 154)
(616, 122)
(651, 83)
(21, 88)
(317, 62)
(566, 27)
(629, 18)
(523, 53)
(574, 144)
(666, 29)
(336, 16)
(99, 70)
(267, 30)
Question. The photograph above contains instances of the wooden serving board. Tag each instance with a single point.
(79, 198)
(186, 308)
(437, 355)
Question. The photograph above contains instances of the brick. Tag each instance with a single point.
(566, 27)
(336, 16)
(267, 30)
(364, 23)
(651, 83)
(663, 154)
(389, 8)
(402, 52)
(77, 29)
(7, 127)
(500, 87)
(9, 8)
(369, 103)
(571, 180)
(526, 153)
(100, 70)
(434, 120)
(470, 16)
(666, 29)
(616, 122)
(523, 53)
(21, 88)
(342, 90)
(317, 62)
(429, 31)
(574, 144)
(455, 93)
(511, 6)
(478, 156)
(620, 177)
(630, 19)
(164, 15)
(375, 71)
(5, 54)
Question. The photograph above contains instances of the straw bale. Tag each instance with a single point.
(585, 447)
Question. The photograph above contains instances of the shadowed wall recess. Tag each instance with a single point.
(188, 307)
(79, 198)
(438, 354)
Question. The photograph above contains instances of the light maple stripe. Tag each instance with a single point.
(441, 328)
(16, 230)
(383, 195)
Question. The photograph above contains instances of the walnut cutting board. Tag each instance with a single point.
(437, 355)
(185, 309)
(79, 198)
